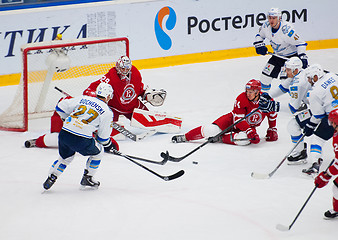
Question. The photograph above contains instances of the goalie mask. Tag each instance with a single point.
(123, 66)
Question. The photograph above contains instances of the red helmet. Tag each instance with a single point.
(333, 116)
(253, 85)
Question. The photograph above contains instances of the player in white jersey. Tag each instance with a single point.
(298, 86)
(83, 116)
(285, 42)
(323, 99)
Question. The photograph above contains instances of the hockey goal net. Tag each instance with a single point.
(68, 65)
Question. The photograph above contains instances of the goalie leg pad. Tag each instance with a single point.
(161, 122)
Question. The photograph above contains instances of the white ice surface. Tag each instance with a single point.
(214, 199)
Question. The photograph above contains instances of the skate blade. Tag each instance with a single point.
(88, 188)
(300, 162)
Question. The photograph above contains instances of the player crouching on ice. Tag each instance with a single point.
(83, 115)
(244, 132)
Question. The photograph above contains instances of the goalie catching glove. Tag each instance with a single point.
(155, 97)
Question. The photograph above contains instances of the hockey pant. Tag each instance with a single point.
(233, 138)
(69, 144)
(323, 133)
(272, 69)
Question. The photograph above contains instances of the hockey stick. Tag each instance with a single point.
(165, 178)
(178, 159)
(164, 161)
(279, 56)
(269, 175)
(131, 135)
(285, 228)
(121, 129)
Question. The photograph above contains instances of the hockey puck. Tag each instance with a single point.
(194, 162)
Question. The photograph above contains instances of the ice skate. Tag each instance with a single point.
(89, 181)
(49, 181)
(299, 158)
(30, 143)
(331, 214)
(178, 139)
(314, 169)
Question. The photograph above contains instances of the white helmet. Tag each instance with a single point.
(275, 12)
(123, 66)
(314, 70)
(294, 63)
(104, 90)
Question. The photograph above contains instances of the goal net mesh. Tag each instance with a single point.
(69, 65)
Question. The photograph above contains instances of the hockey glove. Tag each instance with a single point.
(260, 48)
(304, 58)
(155, 97)
(110, 144)
(252, 134)
(309, 128)
(322, 179)
(267, 104)
(271, 135)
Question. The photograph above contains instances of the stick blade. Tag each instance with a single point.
(282, 228)
(260, 175)
(174, 176)
(167, 157)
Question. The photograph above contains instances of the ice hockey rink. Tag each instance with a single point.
(215, 199)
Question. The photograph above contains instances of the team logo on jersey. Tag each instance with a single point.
(255, 119)
(268, 69)
(163, 38)
(128, 94)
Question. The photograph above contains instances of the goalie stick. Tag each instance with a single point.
(269, 175)
(178, 159)
(121, 129)
(131, 135)
(165, 178)
(281, 227)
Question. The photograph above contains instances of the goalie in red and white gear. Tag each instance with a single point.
(324, 177)
(242, 133)
(129, 90)
(129, 94)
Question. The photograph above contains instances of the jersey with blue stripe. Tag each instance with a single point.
(285, 41)
(85, 115)
(324, 97)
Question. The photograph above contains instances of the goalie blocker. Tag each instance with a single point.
(161, 122)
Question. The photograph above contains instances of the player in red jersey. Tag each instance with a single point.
(242, 133)
(129, 92)
(324, 177)
(128, 88)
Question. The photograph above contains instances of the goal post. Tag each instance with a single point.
(70, 65)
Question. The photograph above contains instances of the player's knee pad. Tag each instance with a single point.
(210, 130)
(265, 82)
(324, 130)
(294, 128)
